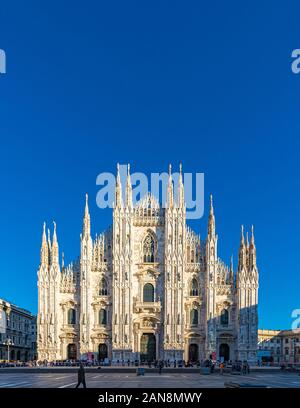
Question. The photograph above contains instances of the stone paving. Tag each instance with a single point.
(130, 380)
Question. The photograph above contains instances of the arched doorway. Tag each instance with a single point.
(102, 351)
(193, 352)
(224, 351)
(18, 355)
(12, 355)
(148, 347)
(71, 351)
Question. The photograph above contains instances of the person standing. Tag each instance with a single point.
(160, 366)
(81, 376)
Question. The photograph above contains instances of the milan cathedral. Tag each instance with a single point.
(148, 288)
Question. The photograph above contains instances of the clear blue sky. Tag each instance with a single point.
(206, 83)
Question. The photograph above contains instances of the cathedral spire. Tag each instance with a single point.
(44, 248)
(180, 188)
(252, 251)
(118, 191)
(170, 194)
(128, 189)
(242, 251)
(211, 219)
(86, 227)
(231, 270)
(252, 236)
(49, 239)
(54, 247)
(242, 242)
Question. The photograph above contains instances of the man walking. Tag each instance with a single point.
(81, 376)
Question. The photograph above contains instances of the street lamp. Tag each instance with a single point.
(8, 343)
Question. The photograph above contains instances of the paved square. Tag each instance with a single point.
(152, 380)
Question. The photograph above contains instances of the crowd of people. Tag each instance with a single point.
(228, 366)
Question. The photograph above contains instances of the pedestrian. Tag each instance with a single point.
(221, 368)
(81, 376)
(160, 366)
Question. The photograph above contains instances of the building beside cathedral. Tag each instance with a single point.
(147, 288)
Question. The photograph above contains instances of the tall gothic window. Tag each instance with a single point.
(71, 316)
(148, 293)
(194, 317)
(148, 248)
(224, 317)
(102, 317)
(103, 287)
(194, 287)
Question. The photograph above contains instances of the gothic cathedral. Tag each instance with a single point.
(148, 288)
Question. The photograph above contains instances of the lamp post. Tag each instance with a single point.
(8, 343)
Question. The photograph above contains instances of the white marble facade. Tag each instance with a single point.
(147, 288)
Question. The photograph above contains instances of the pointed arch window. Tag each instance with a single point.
(194, 317)
(71, 316)
(102, 317)
(148, 293)
(148, 249)
(224, 317)
(194, 287)
(103, 287)
(192, 256)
